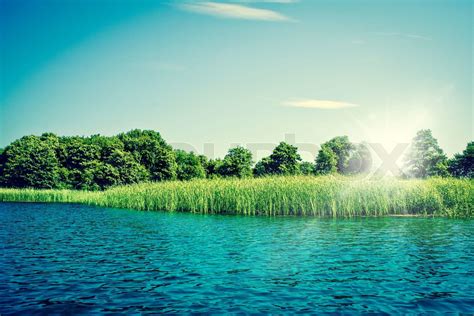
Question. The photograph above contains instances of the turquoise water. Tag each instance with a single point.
(78, 259)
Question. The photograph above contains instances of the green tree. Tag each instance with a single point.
(151, 151)
(342, 148)
(76, 152)
(102, 175)
(326, 161)
(31, 162)
(462, 165)
(117, 161)
(425, 157)
(237, 163)
(97, 162)
(189, 166)
(129, 170)
(284, 160)
(78, 159)
(2, 166)
(107, 145)
(307, 168)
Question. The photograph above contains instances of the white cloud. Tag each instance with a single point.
(406, 35)
(319, 104)
(234, 11)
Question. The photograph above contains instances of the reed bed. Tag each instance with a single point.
(333, 196)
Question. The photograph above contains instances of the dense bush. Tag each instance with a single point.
(307, 168)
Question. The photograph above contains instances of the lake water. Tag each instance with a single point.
(78, 259)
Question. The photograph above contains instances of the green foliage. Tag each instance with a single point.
(462, 165)
(85, 163)
(262, 167)
(425, 157)
(2, 167)
(129, 170)
(237, 163)
(341, 156)
(102, 175)
(284, 160)
(31, 162)
(307, 168)
(342, 148)
(78, 159)
(203, 160)
(189, 166)
(326, 161)
(99, 162)
(151, 151)
(332, 196)
(213, 167)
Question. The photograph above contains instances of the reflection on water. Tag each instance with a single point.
(79, 259)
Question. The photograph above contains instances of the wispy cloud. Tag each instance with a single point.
(319, 104)
(406, 35)
(233, 11)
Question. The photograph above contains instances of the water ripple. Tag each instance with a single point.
(72, 259)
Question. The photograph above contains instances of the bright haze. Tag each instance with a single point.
(238, 72)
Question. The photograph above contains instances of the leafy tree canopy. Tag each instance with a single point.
(425, 157)
(462, 165)
(284, 160)
(189, 166)
(31, 162)
(151, 151)
(326, 161)
(99, 162)
(237, 163)
(342, 148)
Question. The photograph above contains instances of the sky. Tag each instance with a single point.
(212, 74)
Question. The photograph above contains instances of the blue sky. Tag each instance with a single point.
(228, 72)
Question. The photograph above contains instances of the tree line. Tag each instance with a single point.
(98, 162)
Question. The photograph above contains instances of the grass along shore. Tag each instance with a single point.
(333, 196)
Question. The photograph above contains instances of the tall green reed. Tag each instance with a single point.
(333, 196)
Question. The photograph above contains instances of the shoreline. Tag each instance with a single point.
(232, 214)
